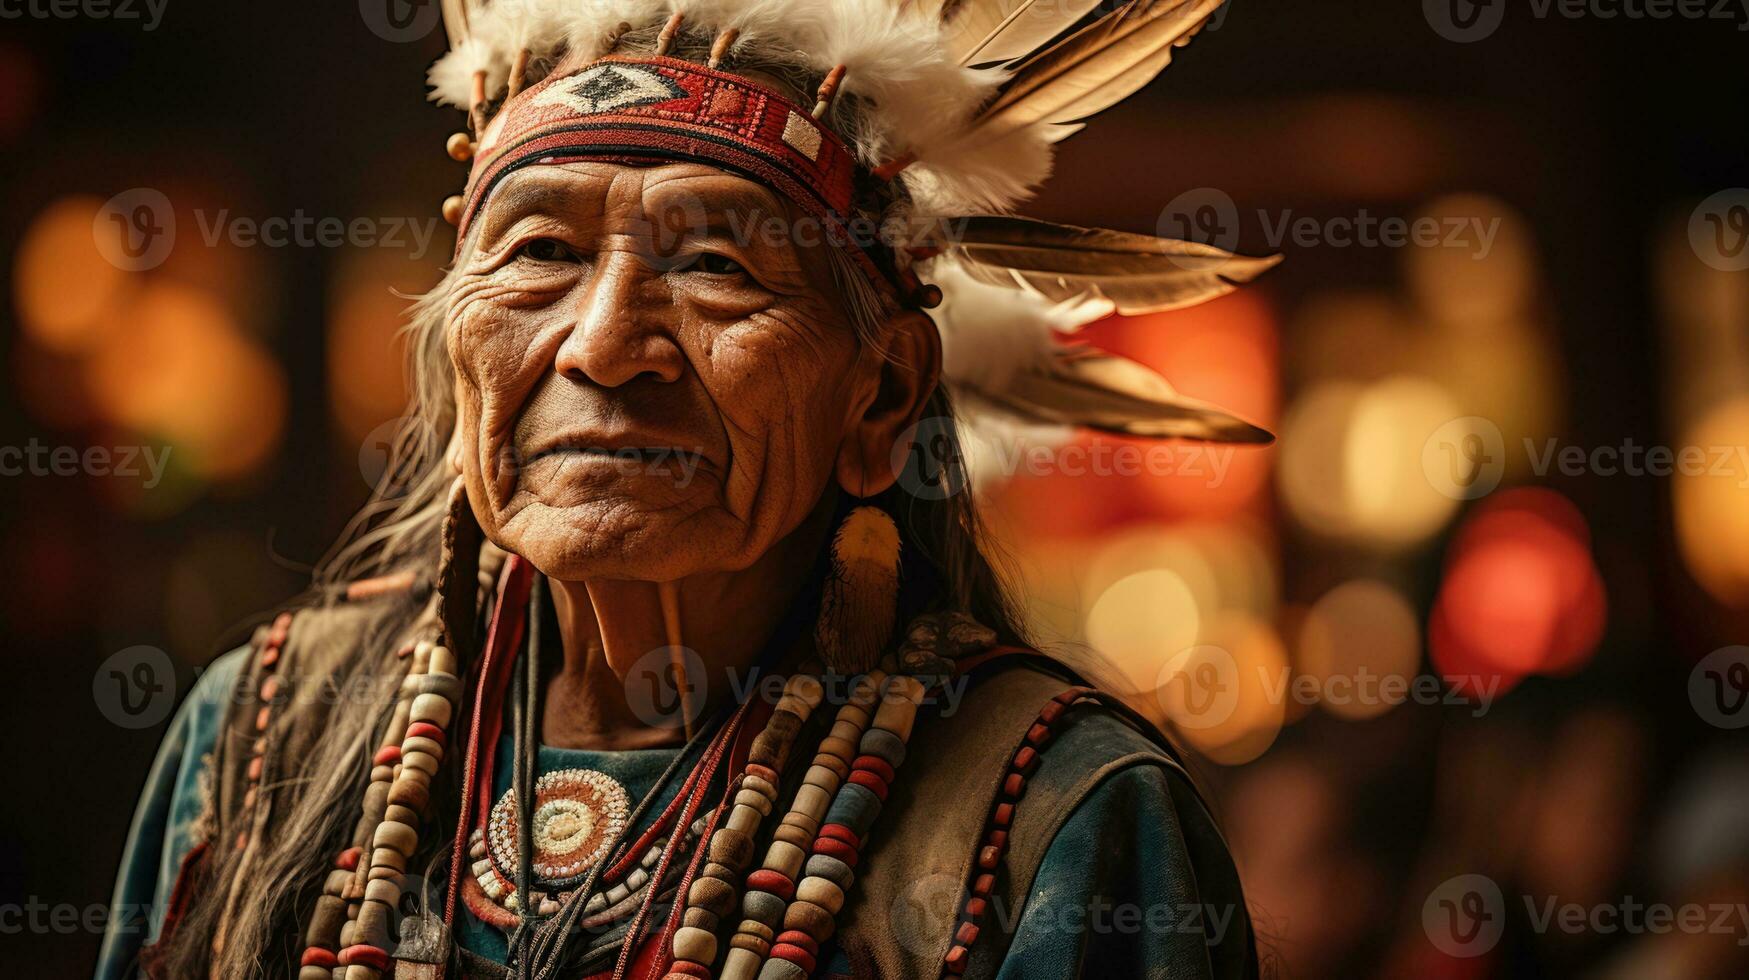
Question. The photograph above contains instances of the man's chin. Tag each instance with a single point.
(610, 539)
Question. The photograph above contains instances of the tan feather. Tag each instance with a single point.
(1082, 385)
(985, 31)
(455, 21)
(1097, 66)
(1139, 273)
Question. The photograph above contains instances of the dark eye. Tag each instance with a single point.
(713, 264)
(546, 250)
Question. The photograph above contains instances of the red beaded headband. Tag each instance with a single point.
(622, 109)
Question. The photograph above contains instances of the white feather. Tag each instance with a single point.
(452, 77)
(995, 441)
(990, 334)
(919, 94)
(589, 24)
(966, 174)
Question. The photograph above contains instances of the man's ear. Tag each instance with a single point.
(905, 378)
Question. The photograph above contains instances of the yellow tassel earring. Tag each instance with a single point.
(861, 592)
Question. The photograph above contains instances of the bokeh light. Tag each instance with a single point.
(1351, 461)
(1140, 621)
(1482, 272)
(1359, 633)
(1521, 594)
(181, 370)
(366, 354)
(1228, 695)
(1712, 503)
(64, 288)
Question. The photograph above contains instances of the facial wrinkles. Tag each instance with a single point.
(768, 352)
(792, 355)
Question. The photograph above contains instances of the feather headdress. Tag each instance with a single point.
(957, 104)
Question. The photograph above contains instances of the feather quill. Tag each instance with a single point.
(1002, 357)
(988, 31)
(455, 20)
(1138, 273)
(1093, 388)
(1096, 67)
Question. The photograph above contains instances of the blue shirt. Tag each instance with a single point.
(1093, 910)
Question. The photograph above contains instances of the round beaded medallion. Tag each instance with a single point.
(578, 813)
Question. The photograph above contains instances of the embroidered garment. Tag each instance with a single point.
(1165, 905)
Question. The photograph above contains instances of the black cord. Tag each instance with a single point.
(549, 947)
(525, 700)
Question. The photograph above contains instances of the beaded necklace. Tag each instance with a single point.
(787, 905)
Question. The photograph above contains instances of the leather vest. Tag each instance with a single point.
(922, 863)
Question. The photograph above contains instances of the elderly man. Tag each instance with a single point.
(651, 656)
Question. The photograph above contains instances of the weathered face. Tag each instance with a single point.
(648, 387)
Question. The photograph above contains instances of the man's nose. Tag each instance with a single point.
(615, 340)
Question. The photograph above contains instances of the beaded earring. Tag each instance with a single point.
(862, 587)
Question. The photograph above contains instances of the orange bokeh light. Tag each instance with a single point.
(63, 286)
(177, 367)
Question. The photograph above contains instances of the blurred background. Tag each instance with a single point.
(1462, 654)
